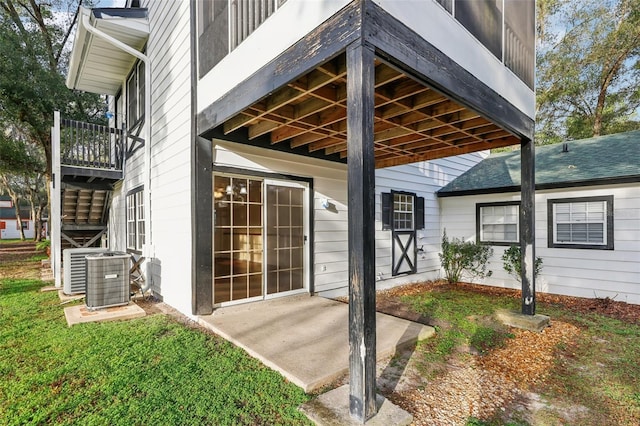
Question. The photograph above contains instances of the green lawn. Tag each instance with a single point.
(148, 371)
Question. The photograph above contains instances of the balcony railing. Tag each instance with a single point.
(91, 145)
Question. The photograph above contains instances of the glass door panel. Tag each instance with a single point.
(237, 239)
(285, 238)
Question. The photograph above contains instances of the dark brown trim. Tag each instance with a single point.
(399, 46)
(609, 228)
(241, 136)
(528, 226)
(361, 230)
(559, 185)
(317, 47)
(202, 195)
(479, 206)
(113, 175)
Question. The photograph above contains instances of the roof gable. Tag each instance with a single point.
(584, 162)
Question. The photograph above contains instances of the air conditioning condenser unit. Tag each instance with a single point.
(74, 275)
(107, 280)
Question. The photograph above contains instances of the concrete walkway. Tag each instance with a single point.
(305, 338)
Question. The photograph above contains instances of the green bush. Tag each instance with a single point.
(512, 258)
(464, 256)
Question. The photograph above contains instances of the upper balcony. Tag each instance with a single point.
(451, 76)
(90, 152)
(505, 28)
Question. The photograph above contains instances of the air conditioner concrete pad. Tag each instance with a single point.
(80, 313)
(332, 409)
(69, 297)
(526, 322)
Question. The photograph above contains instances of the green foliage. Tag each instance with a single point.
(147, 371)
(43, 244)
(588, 68)
(512, 258)
(460, 257)
(34, 50)
(465, 322)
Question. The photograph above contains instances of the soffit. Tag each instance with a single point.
(98, 66)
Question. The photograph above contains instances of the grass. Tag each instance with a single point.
(464, 318)
(599, 370)
(152, 370)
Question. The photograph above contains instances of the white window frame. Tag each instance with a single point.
(403, 207)
(135, 88)
(502, 220)
(135, 228)
(578, 212)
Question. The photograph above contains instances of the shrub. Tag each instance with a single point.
(463, 256)
(43, 244)
(512, 258)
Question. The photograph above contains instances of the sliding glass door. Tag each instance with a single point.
(249, 215)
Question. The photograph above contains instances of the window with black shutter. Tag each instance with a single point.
(403, 214)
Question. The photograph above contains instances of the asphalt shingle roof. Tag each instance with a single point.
(587, 160)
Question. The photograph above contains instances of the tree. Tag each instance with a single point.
(22, 176)
(34, 39)
(588, 68)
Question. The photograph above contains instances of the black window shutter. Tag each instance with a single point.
(386, 210)
(419, 212)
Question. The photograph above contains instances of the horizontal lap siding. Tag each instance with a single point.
(169, 50)
(330, 182)
(576, 272)
(423, 179)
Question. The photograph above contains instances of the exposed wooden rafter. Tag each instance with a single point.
(412, 121)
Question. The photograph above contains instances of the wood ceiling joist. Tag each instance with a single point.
(412, 122)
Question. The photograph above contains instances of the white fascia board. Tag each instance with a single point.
(433, 23)
(76, 52)
(291, 22)
(86, 70)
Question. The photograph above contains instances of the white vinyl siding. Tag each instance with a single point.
(330, 225)
(571, 269)
(499, 223)
(169, 241)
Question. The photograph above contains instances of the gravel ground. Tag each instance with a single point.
(479, 386)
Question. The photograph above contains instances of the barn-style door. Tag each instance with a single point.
(404, 252)
(403, 214)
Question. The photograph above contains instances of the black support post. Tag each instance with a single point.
(361, 186)
(527, 226)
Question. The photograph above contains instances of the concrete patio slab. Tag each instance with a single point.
(49, 288)
(80, 313)
(306, 338)
(332, 409)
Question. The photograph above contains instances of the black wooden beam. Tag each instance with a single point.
(317, 47)
(88, 172)
(527, 226)
(201, 199)
(361, 208)
(402, 48)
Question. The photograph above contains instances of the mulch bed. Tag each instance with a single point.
(388, 301)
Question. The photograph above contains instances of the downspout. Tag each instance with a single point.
(148, 251)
